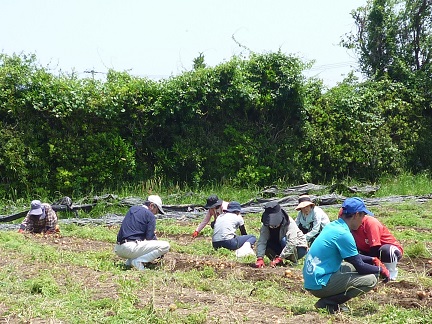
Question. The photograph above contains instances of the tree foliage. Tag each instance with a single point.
(249, 121)
(393, 38)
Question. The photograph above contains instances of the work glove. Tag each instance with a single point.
(259, 263)
(384, 273)
(20, 230)
(276, 261)
(377, 262)
(195, 234)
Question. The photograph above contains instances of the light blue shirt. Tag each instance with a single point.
(326, 254)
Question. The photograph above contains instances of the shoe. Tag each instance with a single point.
(320, 304)
(138, 265)
(128, 263)
(343, 308)
(332, 308)
(245, 250)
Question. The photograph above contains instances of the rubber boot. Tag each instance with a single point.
(391, 267)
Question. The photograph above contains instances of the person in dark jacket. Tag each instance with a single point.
(280, 238)
(136, 239)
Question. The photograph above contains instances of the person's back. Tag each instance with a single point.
(138, 224)
(327, 253)
(226, 226)
(224, 232)
(136, 239)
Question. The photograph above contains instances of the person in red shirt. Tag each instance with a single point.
(374, 239)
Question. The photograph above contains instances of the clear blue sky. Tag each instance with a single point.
(159, 38)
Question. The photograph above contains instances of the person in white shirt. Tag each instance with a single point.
(225, 227)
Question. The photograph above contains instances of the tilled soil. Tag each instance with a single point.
(407, 292)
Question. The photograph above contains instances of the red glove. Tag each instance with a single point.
(385, 274)
(20, 230)
(259, 263)
(276, 261)
(195, 234)
(376, 261)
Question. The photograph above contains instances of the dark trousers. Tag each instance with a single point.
(235, 242)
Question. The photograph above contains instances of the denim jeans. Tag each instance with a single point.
(235, 243)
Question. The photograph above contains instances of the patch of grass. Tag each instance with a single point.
(42, 280)
(392, 314)
(43, 284)
(91, 232)
(417, 250)
(405, 184)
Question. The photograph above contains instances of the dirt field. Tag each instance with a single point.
(405, 293)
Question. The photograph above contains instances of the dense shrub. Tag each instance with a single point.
(249, 121)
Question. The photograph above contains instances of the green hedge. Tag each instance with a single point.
(251, 121)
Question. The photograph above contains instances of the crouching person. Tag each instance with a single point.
(40, 219)
(225, 227)
(280, 238)
(334, 271)
(136, 239)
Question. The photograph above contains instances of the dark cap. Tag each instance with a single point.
(233, 207)
(273, 215)
(213, 201)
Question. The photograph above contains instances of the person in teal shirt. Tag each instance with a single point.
(334, 271)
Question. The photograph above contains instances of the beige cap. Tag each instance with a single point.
(304, 201)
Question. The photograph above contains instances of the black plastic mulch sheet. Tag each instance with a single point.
(287, 198)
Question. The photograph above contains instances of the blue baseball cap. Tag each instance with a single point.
(354, 205)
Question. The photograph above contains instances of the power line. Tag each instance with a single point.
(93, 72)
(339, 65)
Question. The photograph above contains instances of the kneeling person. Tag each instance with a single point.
(136, 240)
(224, 234)
(40, 219)
(280, 238)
